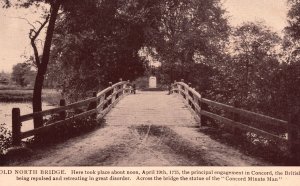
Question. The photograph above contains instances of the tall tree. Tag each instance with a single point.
(248, 76)
(101, 46)
(293, 29)
(189, 32)
(255, 56)
(42, 62)
(290, 72)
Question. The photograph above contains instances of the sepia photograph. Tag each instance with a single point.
(150, 83)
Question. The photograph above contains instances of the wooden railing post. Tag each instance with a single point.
(127, 85)
(62, 114)
(186, 93)
(16, 127)
(175, 86)
(93, 105)
(293, 137)
(236, 117)
(134, 88)
(197, 106)
(113, 98)
(121, 87)
(109, 93)
(101, 102)
(170, 87)
(204, 107)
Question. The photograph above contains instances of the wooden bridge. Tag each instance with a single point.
(153, 128)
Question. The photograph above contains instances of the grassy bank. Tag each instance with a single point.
(50, 96)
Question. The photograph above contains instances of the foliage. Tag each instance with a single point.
(251, 65)
(290, 71)
(40, 63)
(22, 74)
(294, 19)
(189, 32)
(4, 78)
(5, 138)
(101, 46)
(70, 129)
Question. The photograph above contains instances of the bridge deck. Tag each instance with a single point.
(145, 129)
(151, 108)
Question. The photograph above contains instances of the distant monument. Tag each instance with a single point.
(152, 82)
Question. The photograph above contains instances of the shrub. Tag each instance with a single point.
(63, 132)
(5, 138)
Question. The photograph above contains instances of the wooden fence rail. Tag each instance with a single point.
(195, 102)
(97, 106)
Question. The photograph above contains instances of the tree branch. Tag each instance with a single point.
(33, 34)
(25, 20)
(41, 27)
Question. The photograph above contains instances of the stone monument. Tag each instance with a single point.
(152, 82)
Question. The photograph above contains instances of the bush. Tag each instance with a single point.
(5, 138)
(63, 132)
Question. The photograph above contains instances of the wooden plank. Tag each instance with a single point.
(111, 87)
(195, 115)
(119, 83)
(77, 104)
(244, 127)
(104, 112)
(101, 93)
(190, 89)
(195, 112)
(99, 107)
(248, 114)
(55, 110)
(58, 123)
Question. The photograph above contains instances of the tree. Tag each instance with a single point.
(42, 62)
(19, 73)
(255, 57)
(290, 71)
(293, 29)
(248, 75)
(4, 78)
(189, 32)
(101, 46)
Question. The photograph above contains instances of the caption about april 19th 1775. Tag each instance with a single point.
(175, 175)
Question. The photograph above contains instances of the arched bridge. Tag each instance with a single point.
(152, 128)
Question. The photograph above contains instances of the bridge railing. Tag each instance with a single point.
(200, 106)
(96, 107)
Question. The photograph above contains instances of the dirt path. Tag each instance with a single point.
(155, 130)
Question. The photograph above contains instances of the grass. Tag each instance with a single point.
(270, 151)
(14, 87)
(15, 95)
(50, 96)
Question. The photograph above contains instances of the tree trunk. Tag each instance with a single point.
(42, 68)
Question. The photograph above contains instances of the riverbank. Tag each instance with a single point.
(50, 96)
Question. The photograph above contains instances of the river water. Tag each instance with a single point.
(25, 108)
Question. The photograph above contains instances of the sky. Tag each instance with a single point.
(14, 41)
(273, 12)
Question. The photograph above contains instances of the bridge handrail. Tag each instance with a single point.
(99, 104)
(260, 117)
(195, 102)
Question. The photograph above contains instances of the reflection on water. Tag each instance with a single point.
(25, 108)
